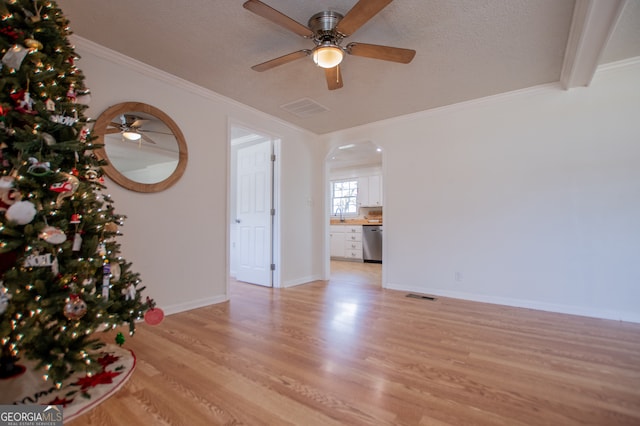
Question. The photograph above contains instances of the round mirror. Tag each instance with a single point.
(144, 147)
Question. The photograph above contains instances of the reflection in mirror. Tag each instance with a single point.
(144, 147)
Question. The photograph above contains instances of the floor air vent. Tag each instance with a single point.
(304, 107)
(420, 296)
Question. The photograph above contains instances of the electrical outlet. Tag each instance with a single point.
(458, 276)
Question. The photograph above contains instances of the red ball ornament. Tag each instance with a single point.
(154, 316)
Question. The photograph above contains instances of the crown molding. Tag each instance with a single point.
(165, 77)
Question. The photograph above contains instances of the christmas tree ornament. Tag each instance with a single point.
(75, 308)
(66, 188)
(38, 168)
(84, 134)
(154, 316)
(50, 105)
(91, 174)
(5, 296)
(36, 260)
(120, 339)
(21, 212)
(106, 280)
(24, 103)
(116, 271)
(32, 44)
(53, 235)
(111, 227)
(33, 17)
(63, 119)
(77, 242)
(129, 292)
(8, 194)
(3, 117)
(75, 218)
(71, 94)
(11, 33)
(7, 181)
(55, 267)
(14, 56)
(48, 139)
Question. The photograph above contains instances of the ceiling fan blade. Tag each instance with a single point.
(139, 122)
(154, 131)
(111, 131)
(281, 60)
(267, 12)
(147, 139)
(334, 77)
(376, 51)
(359, 15)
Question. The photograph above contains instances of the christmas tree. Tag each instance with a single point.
(62, 275)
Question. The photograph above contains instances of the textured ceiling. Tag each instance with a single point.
(466, 49)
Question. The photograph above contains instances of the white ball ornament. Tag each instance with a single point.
(21, 212)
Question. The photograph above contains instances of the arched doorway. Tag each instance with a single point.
(355, 198)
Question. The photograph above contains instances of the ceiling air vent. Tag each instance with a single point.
(304, 107)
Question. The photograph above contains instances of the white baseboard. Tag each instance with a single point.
(529, 304)
(299, 281)
(193, 304)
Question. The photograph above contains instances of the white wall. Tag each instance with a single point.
(532, 197)
(177, 239)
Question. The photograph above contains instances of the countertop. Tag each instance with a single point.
(355, 222)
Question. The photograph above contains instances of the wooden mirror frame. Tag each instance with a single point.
(100, 127)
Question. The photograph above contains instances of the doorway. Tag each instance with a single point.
(252, 200)
(360, 165)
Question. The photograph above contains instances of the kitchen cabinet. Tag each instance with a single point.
(353, 242)
(370, 191)
(346, 242)
(336, 247)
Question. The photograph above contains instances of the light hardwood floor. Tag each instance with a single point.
(347, 352)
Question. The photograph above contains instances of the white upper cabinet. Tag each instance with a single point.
(370, 191)
(375, 191)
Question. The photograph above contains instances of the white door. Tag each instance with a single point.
(254, 219)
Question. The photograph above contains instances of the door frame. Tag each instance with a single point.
(275, 197)
(327, 203)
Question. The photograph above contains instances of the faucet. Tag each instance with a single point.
(339, 210)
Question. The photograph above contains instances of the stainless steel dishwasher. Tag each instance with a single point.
(372, 243)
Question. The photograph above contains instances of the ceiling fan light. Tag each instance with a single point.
(327, 56)
(132, 136)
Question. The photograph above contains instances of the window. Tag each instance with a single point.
(344, 197)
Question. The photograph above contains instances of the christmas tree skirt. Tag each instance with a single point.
(79, 393)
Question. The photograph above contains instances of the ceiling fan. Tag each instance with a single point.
(130, 127)
(327, 29)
